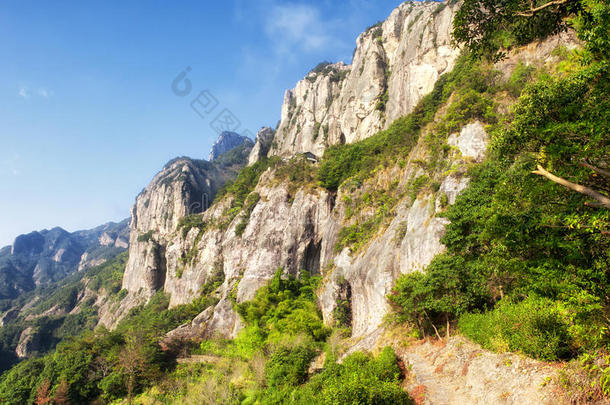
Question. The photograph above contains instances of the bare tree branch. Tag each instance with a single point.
(602, 199)
(533, 10)
(598, 170)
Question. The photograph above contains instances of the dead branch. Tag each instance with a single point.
(602, 199)
(598, 170)
(533, 10)
(432, 323)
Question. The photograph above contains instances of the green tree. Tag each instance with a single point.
(487, 27)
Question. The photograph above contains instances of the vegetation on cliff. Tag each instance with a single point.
(528, 247)
(526, 267)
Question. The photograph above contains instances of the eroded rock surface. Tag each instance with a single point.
(298, 228)
(394, 66)
(264, 139)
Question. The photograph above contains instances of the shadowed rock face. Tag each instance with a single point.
(39, 258)
(226, 142)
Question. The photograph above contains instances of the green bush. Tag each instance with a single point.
(249, 204)
(131, 356)
(18, 386)
(289, 365)
(108, 276)
(359, 379)
(513, 234)
(521, 76)
(189, 222)
(435, 298)
(286, 306)
(534, 327)
(145, 237)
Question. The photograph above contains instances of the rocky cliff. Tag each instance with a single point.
(264, 140)
(395, 64)
(359, 238)
(184, 187)
(226, 142)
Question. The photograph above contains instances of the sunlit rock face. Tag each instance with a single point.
(296, 228)
(394, 66)
(184, 187)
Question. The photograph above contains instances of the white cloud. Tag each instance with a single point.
(23, 92)
(298, 27)
(42, 92)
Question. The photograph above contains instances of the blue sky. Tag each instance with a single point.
(87, 113)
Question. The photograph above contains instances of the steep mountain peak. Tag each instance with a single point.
(183, 188)
(395, 63)
(30, 243)
(226, 142)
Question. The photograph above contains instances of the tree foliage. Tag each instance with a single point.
(490, 27)
(518, 243)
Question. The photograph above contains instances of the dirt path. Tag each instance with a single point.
(198, 358)
(460, 372)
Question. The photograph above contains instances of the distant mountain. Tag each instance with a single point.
(228, 141)
(41, 257)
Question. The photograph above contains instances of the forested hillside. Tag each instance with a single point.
(506, 162)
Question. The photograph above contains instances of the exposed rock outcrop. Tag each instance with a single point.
(395, 64)
(297, 227)
(299, 230)
(471, 141)
(460, 372)
(264, 139)
(8, 316)
(184, 187)
(28, 343)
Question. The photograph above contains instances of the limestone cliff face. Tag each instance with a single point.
(395, 64)
(298, 230)
(264, 139)
(284, 230)
(297, 226)
(183, 187)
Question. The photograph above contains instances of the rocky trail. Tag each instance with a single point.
(460, 372)
(198, 358)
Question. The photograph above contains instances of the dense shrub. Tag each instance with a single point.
(359, 379)
(520, 241)
(131, 357)
(286, 306)
(145, 237)
(534, 326)
(288, 365)
(434, 298)
(186, 223)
